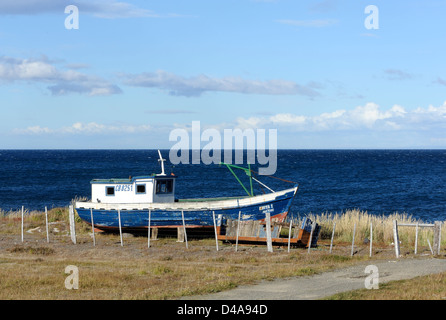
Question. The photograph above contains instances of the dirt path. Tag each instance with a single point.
(329, 283)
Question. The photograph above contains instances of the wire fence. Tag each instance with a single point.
(358, 231)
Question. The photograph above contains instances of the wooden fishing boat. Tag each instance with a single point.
(141, 202)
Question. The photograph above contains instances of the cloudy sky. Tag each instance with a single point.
(135, 70)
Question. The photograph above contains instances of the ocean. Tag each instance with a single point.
(380, 182)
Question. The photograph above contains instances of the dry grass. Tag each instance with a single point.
(11, 220)
(382, 227)
(431, 287)
(35, 269)
(167, 270)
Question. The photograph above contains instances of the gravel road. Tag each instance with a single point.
(329, 283)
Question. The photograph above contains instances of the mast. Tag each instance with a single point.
(162, 163)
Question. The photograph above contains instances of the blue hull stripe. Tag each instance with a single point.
(135, 219)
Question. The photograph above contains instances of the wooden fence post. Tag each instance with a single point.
(22, 222)
(120, 228)
(416, 238)
(72, 224)
(332, 236)
(238, 230)
(184, 228)
(311, 235)
(46, 223)
(92, 227)
(437, 237)
(268, 232)
(180, 234)
(215, 230)
(353, 240)
(148, 229)
(371, 239)
(396, 239)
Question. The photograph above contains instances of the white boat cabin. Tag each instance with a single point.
(156, 188)
(148, 189)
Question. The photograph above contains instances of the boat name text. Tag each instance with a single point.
(267, 208)
(124, 187)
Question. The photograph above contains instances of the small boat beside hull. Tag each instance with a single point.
(196, 213)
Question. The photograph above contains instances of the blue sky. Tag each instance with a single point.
(136, 70)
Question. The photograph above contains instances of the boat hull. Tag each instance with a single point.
(196, 214)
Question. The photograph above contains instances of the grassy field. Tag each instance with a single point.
(35, 269)
(431, 287)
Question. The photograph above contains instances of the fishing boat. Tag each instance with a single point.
(142, 202)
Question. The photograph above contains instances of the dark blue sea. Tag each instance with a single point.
(376, 181)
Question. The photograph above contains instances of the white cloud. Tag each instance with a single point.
(170, 111)
(369, 35)
(85, 128)
(324, 6)
(366, 126)
(287, 118)
(34, 130)
(197, 85)
(60, 81)
(440, 81)
(367, 117)
(309, 23)
(252, 122)
(100, 8)
(114, 9)
(396, 74)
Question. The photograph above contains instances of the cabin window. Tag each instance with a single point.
(164, 186)
(109, 191)
(140, 188)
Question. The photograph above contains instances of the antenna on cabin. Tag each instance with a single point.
(162, 164)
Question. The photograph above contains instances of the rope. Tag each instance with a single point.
(275, 177)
